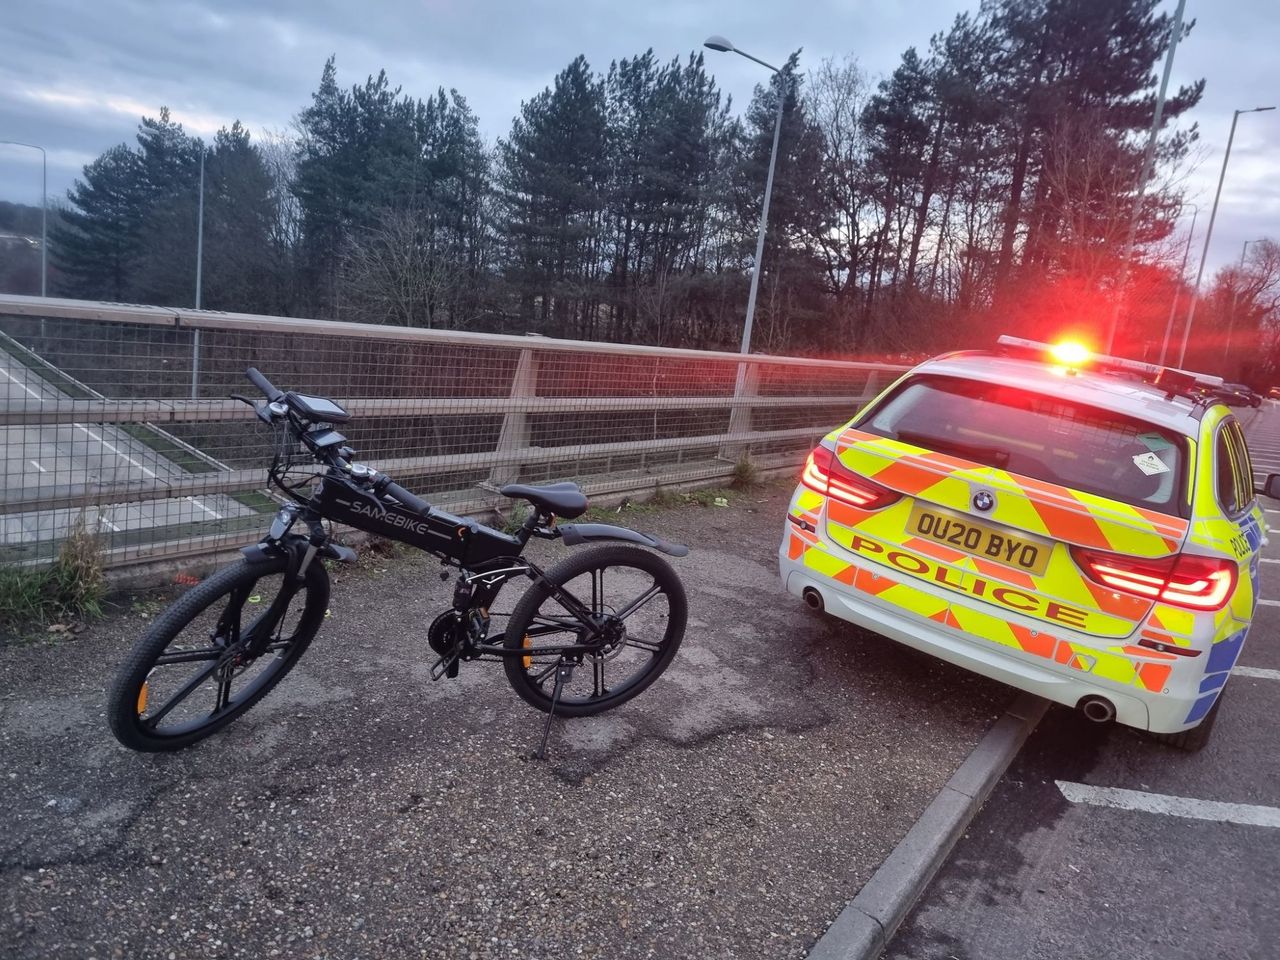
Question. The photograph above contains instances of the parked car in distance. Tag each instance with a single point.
(1238, 395)
(1043, 518)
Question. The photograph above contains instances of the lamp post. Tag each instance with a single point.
(1208, 234)
(1182, 273)
(44, 213)
(724, 46)
(200, 229)
(1235, 299)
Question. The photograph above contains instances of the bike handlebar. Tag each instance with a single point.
(262, 383)
(406, 498)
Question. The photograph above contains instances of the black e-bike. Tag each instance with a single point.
(588, 634)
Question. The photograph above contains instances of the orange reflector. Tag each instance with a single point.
(528, 661)
(142, 698)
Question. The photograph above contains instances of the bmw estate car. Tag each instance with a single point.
(1081, 527)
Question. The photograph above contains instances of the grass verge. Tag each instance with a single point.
(71, 588)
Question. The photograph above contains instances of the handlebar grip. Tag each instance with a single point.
(405, 497)
(262, 383)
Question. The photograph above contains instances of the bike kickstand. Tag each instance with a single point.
(564, 673)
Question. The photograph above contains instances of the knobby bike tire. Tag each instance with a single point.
(126, 695)
(614, 560)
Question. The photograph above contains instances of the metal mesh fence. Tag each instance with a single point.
(119, 414)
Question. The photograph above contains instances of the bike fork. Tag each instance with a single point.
(564, 673)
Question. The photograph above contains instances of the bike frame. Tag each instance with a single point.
(478, 586)
(356, 495)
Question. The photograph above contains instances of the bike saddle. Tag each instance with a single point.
(563, 499)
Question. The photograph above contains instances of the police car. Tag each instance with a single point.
(1079, 526)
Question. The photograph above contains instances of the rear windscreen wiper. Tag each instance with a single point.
(991, 456)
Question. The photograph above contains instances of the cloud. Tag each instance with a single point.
(96, 102)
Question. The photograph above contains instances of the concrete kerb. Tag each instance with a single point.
(865, 926)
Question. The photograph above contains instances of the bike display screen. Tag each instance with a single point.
(318, 408)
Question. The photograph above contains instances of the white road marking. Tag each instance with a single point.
(117, 451)
(37, 466)
(1270, 603)
(21, 384)
(114, 449)
(1268, 560)
(1216, 810)
(212, 513)
(102, 518)
(1261, 673)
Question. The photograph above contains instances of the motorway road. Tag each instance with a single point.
(83, 454)
(1184, 864)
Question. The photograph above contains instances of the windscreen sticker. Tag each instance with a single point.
(1150, 464)
(1153, 441)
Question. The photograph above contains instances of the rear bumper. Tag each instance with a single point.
(1167, 710)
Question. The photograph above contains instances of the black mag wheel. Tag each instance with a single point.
(213, 654)
(636, 598)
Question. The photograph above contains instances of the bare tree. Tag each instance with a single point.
(392, 272)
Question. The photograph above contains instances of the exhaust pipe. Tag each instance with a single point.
(1098, 709)
(812, 599)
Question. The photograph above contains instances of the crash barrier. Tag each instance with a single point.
(116, 416)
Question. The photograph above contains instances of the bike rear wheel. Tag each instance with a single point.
(214, 653)
(632, 594)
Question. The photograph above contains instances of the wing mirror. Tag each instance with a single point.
(1271, 488)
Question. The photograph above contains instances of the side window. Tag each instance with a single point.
(1225, 466)
(1234, 472)
(1244, 469)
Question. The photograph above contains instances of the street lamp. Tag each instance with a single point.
(1195, 291)
(1182, 275)
(200, 231)
(44, 213)
(1235, 298)
(724, 46)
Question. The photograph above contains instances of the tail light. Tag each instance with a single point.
(824, 473)
(1200, 583)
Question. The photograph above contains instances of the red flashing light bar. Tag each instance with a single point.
(1073, 355)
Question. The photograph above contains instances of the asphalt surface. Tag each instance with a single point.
(84, 455)
(362, 811)
(1041, 876)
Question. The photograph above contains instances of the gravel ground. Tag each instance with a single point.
(362, 811)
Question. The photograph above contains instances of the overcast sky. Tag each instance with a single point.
(76, 75)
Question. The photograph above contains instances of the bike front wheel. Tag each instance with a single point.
(631, 595)
(214, 653)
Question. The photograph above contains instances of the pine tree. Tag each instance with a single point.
(553, 173)
(95, 248)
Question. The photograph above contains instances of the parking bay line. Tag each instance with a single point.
(1216, 810)
(1258, 673)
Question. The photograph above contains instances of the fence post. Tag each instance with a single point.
(745, 387)
(195, 364)
(515, 423)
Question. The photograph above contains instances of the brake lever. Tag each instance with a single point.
(259, 408)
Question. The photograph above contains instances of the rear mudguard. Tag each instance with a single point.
(576, 533)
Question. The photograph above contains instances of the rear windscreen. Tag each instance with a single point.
(1058, 441)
